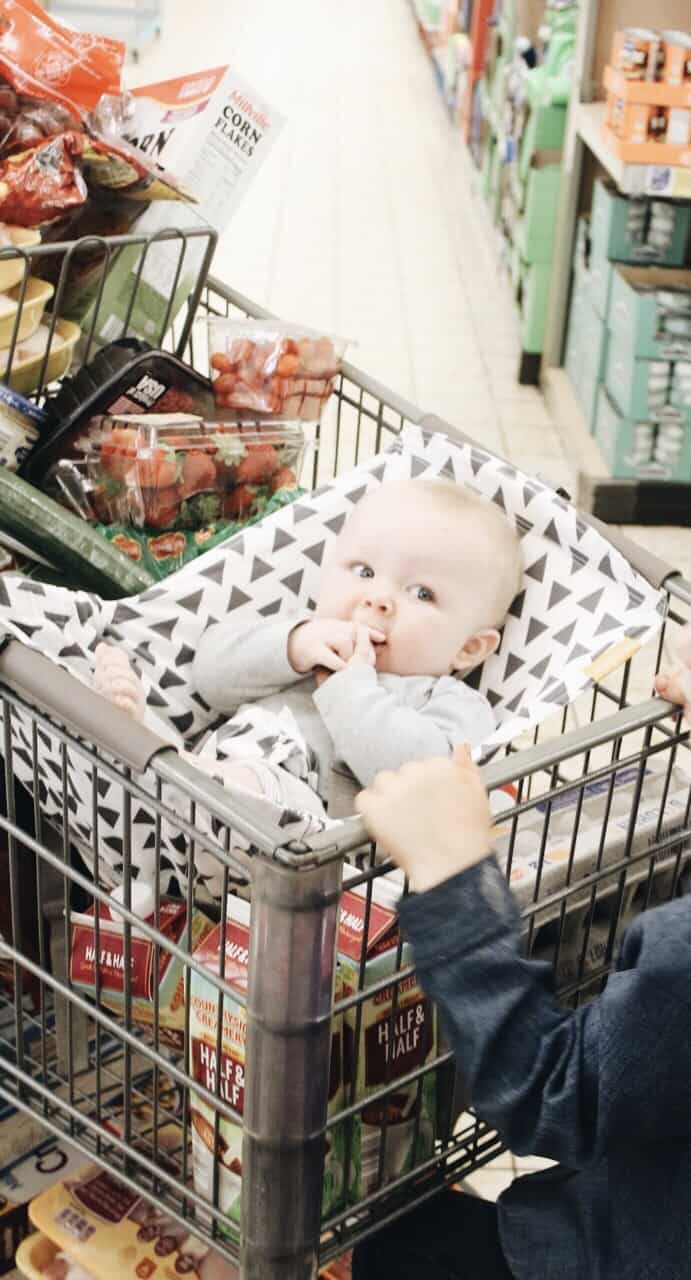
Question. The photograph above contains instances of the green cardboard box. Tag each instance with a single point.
(640, 315)
(628, 382)
(600, 278)
(616, 236)
(586, 348)
(637, 450)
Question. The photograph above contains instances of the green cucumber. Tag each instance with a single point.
(87, 560)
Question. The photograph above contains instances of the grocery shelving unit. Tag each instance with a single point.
(585, 148)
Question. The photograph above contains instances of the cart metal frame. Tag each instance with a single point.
(70, 1064)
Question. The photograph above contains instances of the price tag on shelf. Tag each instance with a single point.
(662, 180)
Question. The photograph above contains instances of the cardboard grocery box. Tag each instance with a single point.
(214, 132)
(535, 231)
(651, 152)
(638, 315)
(633, 450)
(204, 1068)
(110, 963)
(628, 381)
(613, 229)
(674, 93)
(395, 1037)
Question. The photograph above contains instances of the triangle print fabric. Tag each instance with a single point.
(580, 597)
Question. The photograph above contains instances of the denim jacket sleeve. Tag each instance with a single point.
(557, 1083)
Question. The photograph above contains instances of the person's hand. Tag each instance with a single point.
(432, 817)
(115, 680)
(331, 643)
(675, 685)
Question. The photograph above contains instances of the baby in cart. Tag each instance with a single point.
(413, 595)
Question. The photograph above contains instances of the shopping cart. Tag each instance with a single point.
(121, 1093)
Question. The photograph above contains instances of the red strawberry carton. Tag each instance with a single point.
(176, 472)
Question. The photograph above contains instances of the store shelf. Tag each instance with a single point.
(614, 501)
(631, 179)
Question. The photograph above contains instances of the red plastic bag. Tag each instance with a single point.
(41, 58)
(44, 182)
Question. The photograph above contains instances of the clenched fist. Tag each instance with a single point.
(331, 643)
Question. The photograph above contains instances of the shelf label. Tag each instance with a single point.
(663, 180)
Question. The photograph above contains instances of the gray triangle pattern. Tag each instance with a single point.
(573, 579)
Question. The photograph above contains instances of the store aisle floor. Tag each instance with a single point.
(366, 218)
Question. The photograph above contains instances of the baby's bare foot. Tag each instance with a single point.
(115, 680)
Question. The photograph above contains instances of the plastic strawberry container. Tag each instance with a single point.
(152, 472)
(272, 368)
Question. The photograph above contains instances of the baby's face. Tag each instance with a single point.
(407, 569)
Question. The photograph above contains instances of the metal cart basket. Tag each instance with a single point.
(121, 1093)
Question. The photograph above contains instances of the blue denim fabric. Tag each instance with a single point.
(605, 1090)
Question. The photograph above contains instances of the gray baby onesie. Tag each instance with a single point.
(367, 721)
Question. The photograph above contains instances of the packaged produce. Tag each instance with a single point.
(29, 308)
(268, 367)
(171, 471)
(29, 363)
(21, 424)
(164, 553)
(12, 269)
(215, 131)
(109, 1230)
(146, 967)
(397, 1034)
(125, 377)
(64, 540)
(204, 1068)
(39, 1259)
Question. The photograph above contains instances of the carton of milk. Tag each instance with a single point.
(213, 131)
(396, 1036)
(145, 968)
(204, 1068)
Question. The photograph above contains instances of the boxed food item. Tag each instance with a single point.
(397, 1034)
(650, 309)
(204, 1068)
(643, 390)
(215, 131)
(21, 426)
(268, 367)
(172, 471)
(638, 231)
(108, 1229)
(661, 812)
(642, 450)
(109, 966)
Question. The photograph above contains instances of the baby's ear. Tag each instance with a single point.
(476, 650)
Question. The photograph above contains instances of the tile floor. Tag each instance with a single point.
(366, 220)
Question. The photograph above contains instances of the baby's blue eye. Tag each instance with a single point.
(424, 594)
(363, 571)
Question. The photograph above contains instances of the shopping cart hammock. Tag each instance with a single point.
(582, 609)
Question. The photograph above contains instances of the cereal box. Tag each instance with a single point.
(110, 965)
(396, 1036)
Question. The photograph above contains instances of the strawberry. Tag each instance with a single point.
(160, 506)
(221, 362)
(284, 478)
(158, 471)
(198, 473)
(259, 464)
(238, 504)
